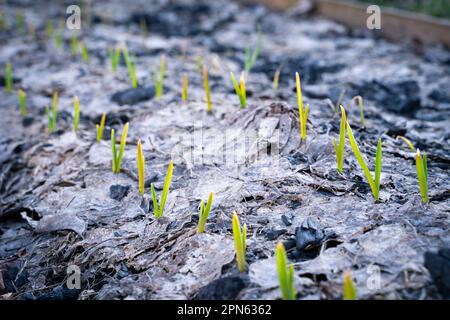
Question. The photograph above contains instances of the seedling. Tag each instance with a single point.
(407, 141)
(158, 77)
(349, 291)
(20, 21)
(131, 65)
(3, 22)
(144, 27)
(76, 115)
(276, 77)
(117, 155)
(339, 149)
(303, 112)
(101, 127)
(206, 84)
(240, 89)
(240, 237)
(373, 182)
(49, 29)
(114, 56)
(84, 52)
(285, 274)
(22, 98)
(58, 40)
(158, 208)
(198, 63)
(8, 78)
(422, 174)
(52, 115)
(204, 213)
(74, 46)
(361, 109)
(141, 166)
(184, 90)
(251, 57)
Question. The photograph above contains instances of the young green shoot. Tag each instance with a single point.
(422, 174)
(349, 291)
(118, 154)
(141, 166)
(240, 89)
(114, 56)
(240, 237)
(408, 142)
(158, 208)
(373, 182)
(158, 77)
(49, 29)
(3, 22)
(340, 148)
(185, 85)
(58, 40)
(206, 85)
(8, 78)
(101, 127)
(22, 102)
(276, 77)
(251, 57)
(84, 52)
(131, 65)
(76, 115)
(361, 109)
(52, 115)
(285, 273)
(204, 213)
(74, 46)
(20, 22)
(303, 112)
(144, 27)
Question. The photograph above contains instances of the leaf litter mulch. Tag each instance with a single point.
(61, 205)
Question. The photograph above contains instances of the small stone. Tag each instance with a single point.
(118, 192)
(133, 96)
(309, 233)
(274, 234)
(286, 220)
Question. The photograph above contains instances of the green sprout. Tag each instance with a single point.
(240, 237)
(349, 291)
(158, 77)
(361, 109)
(74, 45)
(303, 112)
(144, 27)
(49, 29)
(158, 208)
(84, 52)
(117, 155)
(422, 174)
(240, 89)
(184, 90)
(407, 141)
(20, 21)
(3, 21)
(76, 116)
(52, 115)
(58, 40)
(206, 85)
(285, 274)
(22, 102)
(276, 77)
(339, 149)
(131, 65)
(140, 165)
(373, 182)
(198, 63)
(114, 56)
(204, 213)
(101, 127)
(251, 57)
(8, 78)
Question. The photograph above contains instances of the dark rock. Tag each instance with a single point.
(27, 121)
(274, 234)
(118, 192)
(11, 278)
(60, 293)
(439, 266)
(286, 220)
(289, 244)
(297, 158)
(401, 96)
(133, 96)
(221, 289)
(310, 233)
(440, 95)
